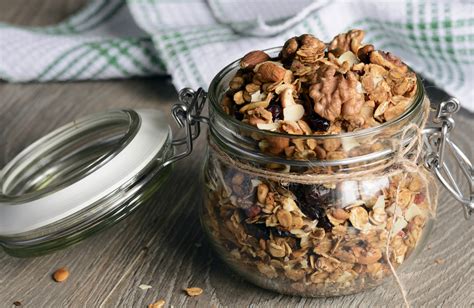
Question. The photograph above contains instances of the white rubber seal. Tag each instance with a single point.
(141, 150)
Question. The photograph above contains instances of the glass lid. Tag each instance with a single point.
(80, 172)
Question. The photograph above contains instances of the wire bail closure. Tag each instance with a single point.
(437, 141)
(187, 115)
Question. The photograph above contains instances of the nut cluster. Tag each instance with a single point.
(315, 88)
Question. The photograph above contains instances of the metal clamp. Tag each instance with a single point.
(438, 142)
(187, 115)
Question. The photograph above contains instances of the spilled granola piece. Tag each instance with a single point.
(193, 291)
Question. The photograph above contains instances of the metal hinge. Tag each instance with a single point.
(439, 146)
(187, 115)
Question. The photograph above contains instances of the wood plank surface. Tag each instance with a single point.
(162, 244)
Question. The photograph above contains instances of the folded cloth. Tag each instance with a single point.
(193, 39)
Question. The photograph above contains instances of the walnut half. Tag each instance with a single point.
(336, 94)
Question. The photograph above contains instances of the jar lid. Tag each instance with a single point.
(91, 170)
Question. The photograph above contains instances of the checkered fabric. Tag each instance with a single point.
(193, 39)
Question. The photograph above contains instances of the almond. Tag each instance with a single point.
(61, 274)
(253, 58)
(270, 72)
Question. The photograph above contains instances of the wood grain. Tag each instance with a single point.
(162, 244)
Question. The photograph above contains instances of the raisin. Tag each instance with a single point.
(319, 195)
(259, 231)
(318, 123)
(276, 111)
(237, 114)
(324, 223)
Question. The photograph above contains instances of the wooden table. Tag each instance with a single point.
(162, 244)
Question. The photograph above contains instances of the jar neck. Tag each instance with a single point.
(354, 151)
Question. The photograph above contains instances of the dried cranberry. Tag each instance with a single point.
(419, 198)
(318, 123)
(259, 231)
(312, 200)
(253, 211)
(276, 111)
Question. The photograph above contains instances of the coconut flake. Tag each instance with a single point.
(380, 203)
(349, 143)
(394, 210)
(399, 225)
(349, 57)
(268, 126)
(293, 112)
(256, 97)
(412, 211)
(359, 88)
(373, 186)
(255, 182)
(144, 286)
(349, 194)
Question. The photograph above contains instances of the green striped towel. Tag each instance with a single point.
(193, 39)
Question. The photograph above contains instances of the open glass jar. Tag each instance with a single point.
(330, 222)
(335, 220)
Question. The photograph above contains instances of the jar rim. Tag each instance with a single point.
(213, 95)
(65, 137)
(115, 157)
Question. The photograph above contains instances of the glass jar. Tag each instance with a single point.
(82, 178)
(336, 218)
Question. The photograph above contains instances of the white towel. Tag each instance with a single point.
(193, 39)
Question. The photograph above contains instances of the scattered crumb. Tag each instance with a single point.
(198, 245)
(158, 304)
(17, 303)
(194, 291)
(428, 247)
(439, 261)
(144, 286)
(61, 274)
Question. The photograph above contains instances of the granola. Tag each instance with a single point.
(313, 88)
(307, 228)
(314, 240)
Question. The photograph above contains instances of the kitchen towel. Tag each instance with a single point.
(193, 39)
